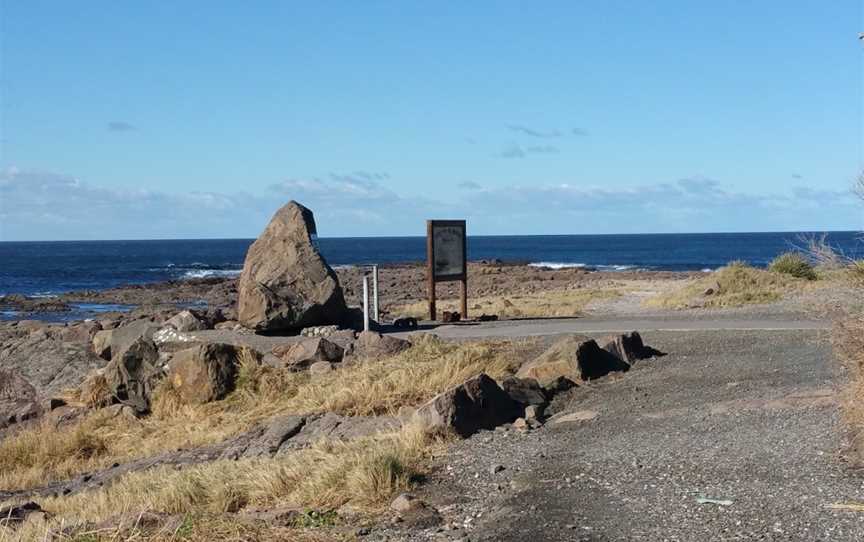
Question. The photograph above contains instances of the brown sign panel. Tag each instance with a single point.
(446, 258)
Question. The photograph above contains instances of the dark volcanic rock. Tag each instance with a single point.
(285, 283)
(630, 348)
(478, 403)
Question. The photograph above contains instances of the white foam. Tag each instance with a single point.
(556, 265)
(204, 273)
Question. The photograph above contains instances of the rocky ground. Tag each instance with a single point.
(746, 418)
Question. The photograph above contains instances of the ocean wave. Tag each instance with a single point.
(556, 265)
(599, 267)
(205, 273)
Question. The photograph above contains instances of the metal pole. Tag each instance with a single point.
(365, 303)
(375, 293)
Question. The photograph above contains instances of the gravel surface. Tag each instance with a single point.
(749, 417)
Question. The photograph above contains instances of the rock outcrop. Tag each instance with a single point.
(285, 283)
(478, 403)
(303, 354)
(574, 358)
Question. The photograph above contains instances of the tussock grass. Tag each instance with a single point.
(548, 303)
(366, 472)
(848, 343)
(794, 264)
(33, 457)
(734, 285)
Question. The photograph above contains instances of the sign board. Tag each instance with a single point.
(446, 252)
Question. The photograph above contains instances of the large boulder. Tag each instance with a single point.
(204, 373)
(285, 283)
(574, 358)
(133, 373)
(478, 403)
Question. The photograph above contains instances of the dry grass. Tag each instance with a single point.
(848, 343)
(366, 472)
(734, 285)
(548, 303)
(42, 454)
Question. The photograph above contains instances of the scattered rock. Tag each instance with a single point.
(478, 403)
(573, 417)
(558, 385)
(132, 374)
(14, 516)
(303, 354)
(204, 373)
(572, 357)
(408, 322)
(319, 331)
(449, 317)
(520, 423)
(525, 391)
(320, 367)
(534, 412)
(186, 321)
(406, 503)
(630, 348)
(373, 345)
(285, 283)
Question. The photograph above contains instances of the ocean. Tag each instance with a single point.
(52, 267)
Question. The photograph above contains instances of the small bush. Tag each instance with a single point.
(794, 264)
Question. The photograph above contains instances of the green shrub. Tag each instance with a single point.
(793, 263)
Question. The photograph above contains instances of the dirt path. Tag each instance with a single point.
(749, 417)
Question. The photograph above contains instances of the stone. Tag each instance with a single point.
(373, 345)
(572, 357)
(629, 347)
(558, 385)
(406, 503)
(186, 321)
(16, 393)
(520, 423)
(525, 391)
(478, 403)
(573, 417)
(449, 317)
(408, 322)
(301, 355)
(15, 515)
(230, 325)
(132, 374)
(318, 331)
(102, 343)
(495, 469)
(320, 367)
(204, 373)
(534, 412)
(286, 284)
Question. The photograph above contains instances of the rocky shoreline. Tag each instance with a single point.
(399, 284)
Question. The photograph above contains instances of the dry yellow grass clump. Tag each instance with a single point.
(43, 454)
(548, 303)
(365, 472)
(731, 286)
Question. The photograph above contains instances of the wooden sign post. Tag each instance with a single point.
(447, 259)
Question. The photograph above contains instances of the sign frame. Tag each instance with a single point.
(433, 278)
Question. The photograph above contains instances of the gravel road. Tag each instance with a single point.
(746, 417)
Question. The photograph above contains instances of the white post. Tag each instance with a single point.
(375, 293)
(365, 302)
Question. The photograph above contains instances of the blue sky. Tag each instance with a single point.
(199, 119)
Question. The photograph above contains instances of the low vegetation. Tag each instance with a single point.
(42, 454)
(734, 285)
(366, 472)
(543, 304)
(794, 264)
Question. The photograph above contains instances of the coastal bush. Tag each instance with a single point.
(794, 264)
(733, 285)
